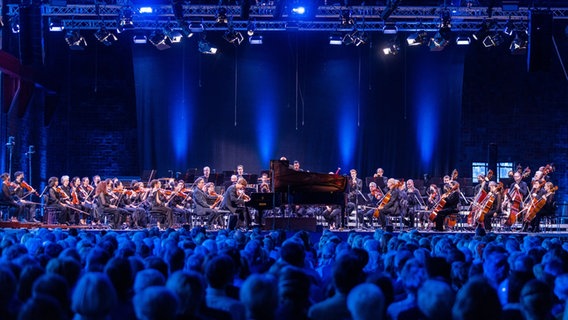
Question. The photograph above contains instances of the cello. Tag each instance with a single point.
(537, 205)
(479, 197)
(386, 199)
(442, 203)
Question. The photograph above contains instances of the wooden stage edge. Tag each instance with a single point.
(9, 226)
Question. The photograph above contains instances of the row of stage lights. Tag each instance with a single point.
(346, 34)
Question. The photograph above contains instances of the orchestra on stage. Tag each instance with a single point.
(518, 202)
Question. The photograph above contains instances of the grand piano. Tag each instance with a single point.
(299, 187)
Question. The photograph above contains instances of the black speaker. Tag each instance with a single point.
(540, 40)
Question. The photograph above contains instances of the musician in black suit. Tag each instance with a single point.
(452, 199)
(234, 200)
(202, 208)
(56, 200)
(373, 199)
(519, 184)
(392, 207)
(545, 194)
(381, 180)
(414, 201)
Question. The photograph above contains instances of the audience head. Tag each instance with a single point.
(148, 278)
(435, 299)
(155, 303)
(260, 297)
(94, 296)
(477, 299)
(220, 271)
(366, 302)
(189, 288)
(347, 273)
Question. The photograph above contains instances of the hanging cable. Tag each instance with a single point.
(236, 84)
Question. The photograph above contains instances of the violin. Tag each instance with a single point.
(26, 186)
(377, 193)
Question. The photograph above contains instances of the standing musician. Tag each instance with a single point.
(234, 201)
(206, 174)
(202, 208)
(264, 183)
(354, 189)
(7, 197)
(447, 205)
(55, 199)
(543, 204)
(391, 207)
(104, 201)
(21, 191)
(414, 201)
(381, 180)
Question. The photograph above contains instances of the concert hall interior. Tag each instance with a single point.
(95, 105)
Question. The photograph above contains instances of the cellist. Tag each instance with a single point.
(390, 205)
(547, 200)
(451, 199)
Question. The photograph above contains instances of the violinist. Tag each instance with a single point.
(157, 200)
(202, 208)
(7, 197)
(451, 198)
(234, 201)
(76, 201)
(66, 197)
(55, 200)
(85, 193)
(104, 202)
(22, 190)
(178, 201)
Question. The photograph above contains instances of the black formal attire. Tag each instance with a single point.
(523, 188)
(236, 205)
(495, 209)
(157, 204)
(202, 208)
(372, 203)
(450, 207)
(7, 199)
(85, 196)
(118, 214)
(414, 203)
(355, 187)
(28, 208)
(180, 208)
(332, 215)
(549, 209)
(67, 199)
(391, 208)
(55, 200)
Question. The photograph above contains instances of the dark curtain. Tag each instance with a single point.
(297, 96)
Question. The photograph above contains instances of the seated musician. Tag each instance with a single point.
(105, 201)
(391, 208)
(496, 192)
(373, 199)
(157, 201)
(452, 199)
(234, 201)
(179, 202)
(7, 197)
(55, 199)
(332, 215)
(85, 193)
(65, 191)
(202, 208)
(28, 207)
(433, 198)
(546, 195)
(214, 200)
(125, 201)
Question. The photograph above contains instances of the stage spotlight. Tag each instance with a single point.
(417, 39)
(255, 39)
(75, 41)
(125, 22)
(221, 16)
(493, 40)
(390, 29)
(519, 45)
(174, 36)
(463, 40)
(205, 47)
(55, 25)
(438, 42)
(298, 9)
(233, 36)
(392, 48)
(105, 37)
(482, 31)
(335, 40)
(346, 19)
(251, 27)
(356, 38)
(146, 10)
(509, 28)
(391, 6)
(158, 39)
(140, 39)
(15, 24)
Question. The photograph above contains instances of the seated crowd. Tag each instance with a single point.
(192, 274)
